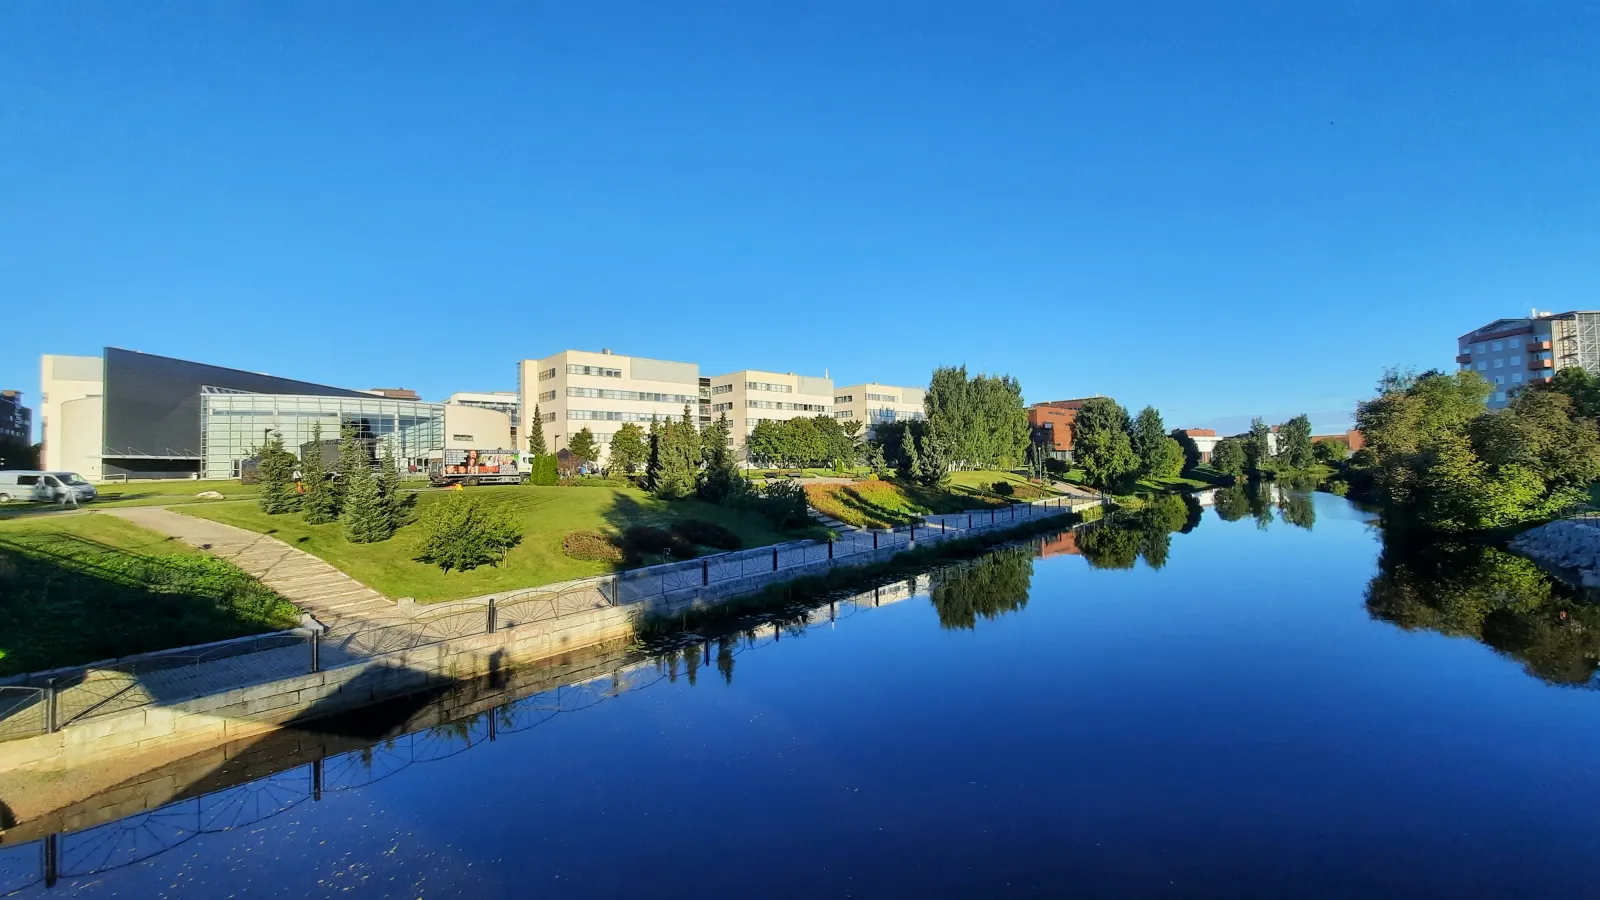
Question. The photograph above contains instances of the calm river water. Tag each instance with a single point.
(1252, 699)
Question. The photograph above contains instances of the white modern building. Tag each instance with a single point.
(873, 404)
(500, 401)
(1513, 353)
(577, 389)
(750, 395)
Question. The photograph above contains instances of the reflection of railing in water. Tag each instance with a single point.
(125, 841)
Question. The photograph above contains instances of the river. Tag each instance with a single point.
(1251, 698)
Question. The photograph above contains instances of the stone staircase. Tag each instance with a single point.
(829, 521)
(333, 597)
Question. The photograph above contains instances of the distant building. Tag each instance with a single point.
(1205, 440)
(1051, 425)
(577, 389)
(395, 393)
(1513, 353)
(873, 404)
(16, 420)
(500, 401)
(749, 396)
(1353, 439)
(137, 415)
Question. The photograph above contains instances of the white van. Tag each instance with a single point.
(16, 484)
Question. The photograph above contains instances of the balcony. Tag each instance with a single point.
(1464, 358)
(1537, 364)
(1538, 345)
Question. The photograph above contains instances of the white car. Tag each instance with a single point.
(18, 484)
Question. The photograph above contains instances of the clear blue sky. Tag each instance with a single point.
(1219, 209)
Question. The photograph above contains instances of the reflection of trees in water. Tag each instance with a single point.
(1145, 532)
(1231, 503)
(989, 587)
(1297, 508)
(1492, 596)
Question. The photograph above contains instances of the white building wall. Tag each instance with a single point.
(474, 428)
(602, 391)
(71, 413)
(874, 404)
(750, 395)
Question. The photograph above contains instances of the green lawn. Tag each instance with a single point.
(80, 588)
(887, 504)
(547, 514)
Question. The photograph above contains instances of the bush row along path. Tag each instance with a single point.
(334, 598)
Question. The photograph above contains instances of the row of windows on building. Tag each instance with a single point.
(766, 386)
(770, 404)
(1501, 363)
(1496, 346)
(601, 371)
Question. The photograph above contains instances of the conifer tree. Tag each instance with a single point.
(365, 515)
(389, 488)
(910, 462)
(275, 468)
(720, 478)
(353, 457)
(318, 504)
(536, 444)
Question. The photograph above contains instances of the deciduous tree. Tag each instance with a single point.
(627, 450)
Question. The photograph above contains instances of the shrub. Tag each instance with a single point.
(591, 546)
(463, 532)
(782, 502)
(1056, 467)
(544, 470)
(1003, 488)
(707, 534)
(643, 539)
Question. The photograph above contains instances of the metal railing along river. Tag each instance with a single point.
(44, 702)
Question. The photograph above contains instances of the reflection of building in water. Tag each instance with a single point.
(1205, 498)
(1063, 544)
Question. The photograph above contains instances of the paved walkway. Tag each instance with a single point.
(336, 599)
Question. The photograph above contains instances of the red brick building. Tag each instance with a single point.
(1353, 439)
(1052, 422)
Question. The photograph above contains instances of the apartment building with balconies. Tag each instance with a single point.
(1513, 353)
(577, 389)
(873, 404)
(748, 396)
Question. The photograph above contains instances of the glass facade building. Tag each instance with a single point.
(234, 424)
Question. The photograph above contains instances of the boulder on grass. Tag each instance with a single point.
(209, 495)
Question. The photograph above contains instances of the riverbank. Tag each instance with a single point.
(505, 636)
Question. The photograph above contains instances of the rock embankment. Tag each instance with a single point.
(1566, 544)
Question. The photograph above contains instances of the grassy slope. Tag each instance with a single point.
(547, 514)
(80, 588)
(885, 504)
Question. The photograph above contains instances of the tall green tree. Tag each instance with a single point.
(583, 445)
(910, 459)
(1100, 443)
(1146, 436)
(1579, 385)
(628, 450)
(1191, 450)
(674, 458)
(720, 478)
(536, 444)
(1258, 447)
(275, 468)
(355, 454)
(1227, 457)
(365, 516)
(1294, 442)
(951, 420)
(319, 504)
(389, 488)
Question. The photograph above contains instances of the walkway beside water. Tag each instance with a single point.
(330, 595)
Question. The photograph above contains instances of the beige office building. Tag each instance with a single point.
(71, 413)
(750, 395)
(873, 404)
(577, 389)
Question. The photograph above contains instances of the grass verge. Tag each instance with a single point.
(80, 588)
(547, 515)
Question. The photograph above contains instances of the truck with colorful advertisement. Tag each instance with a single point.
(472, 467)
